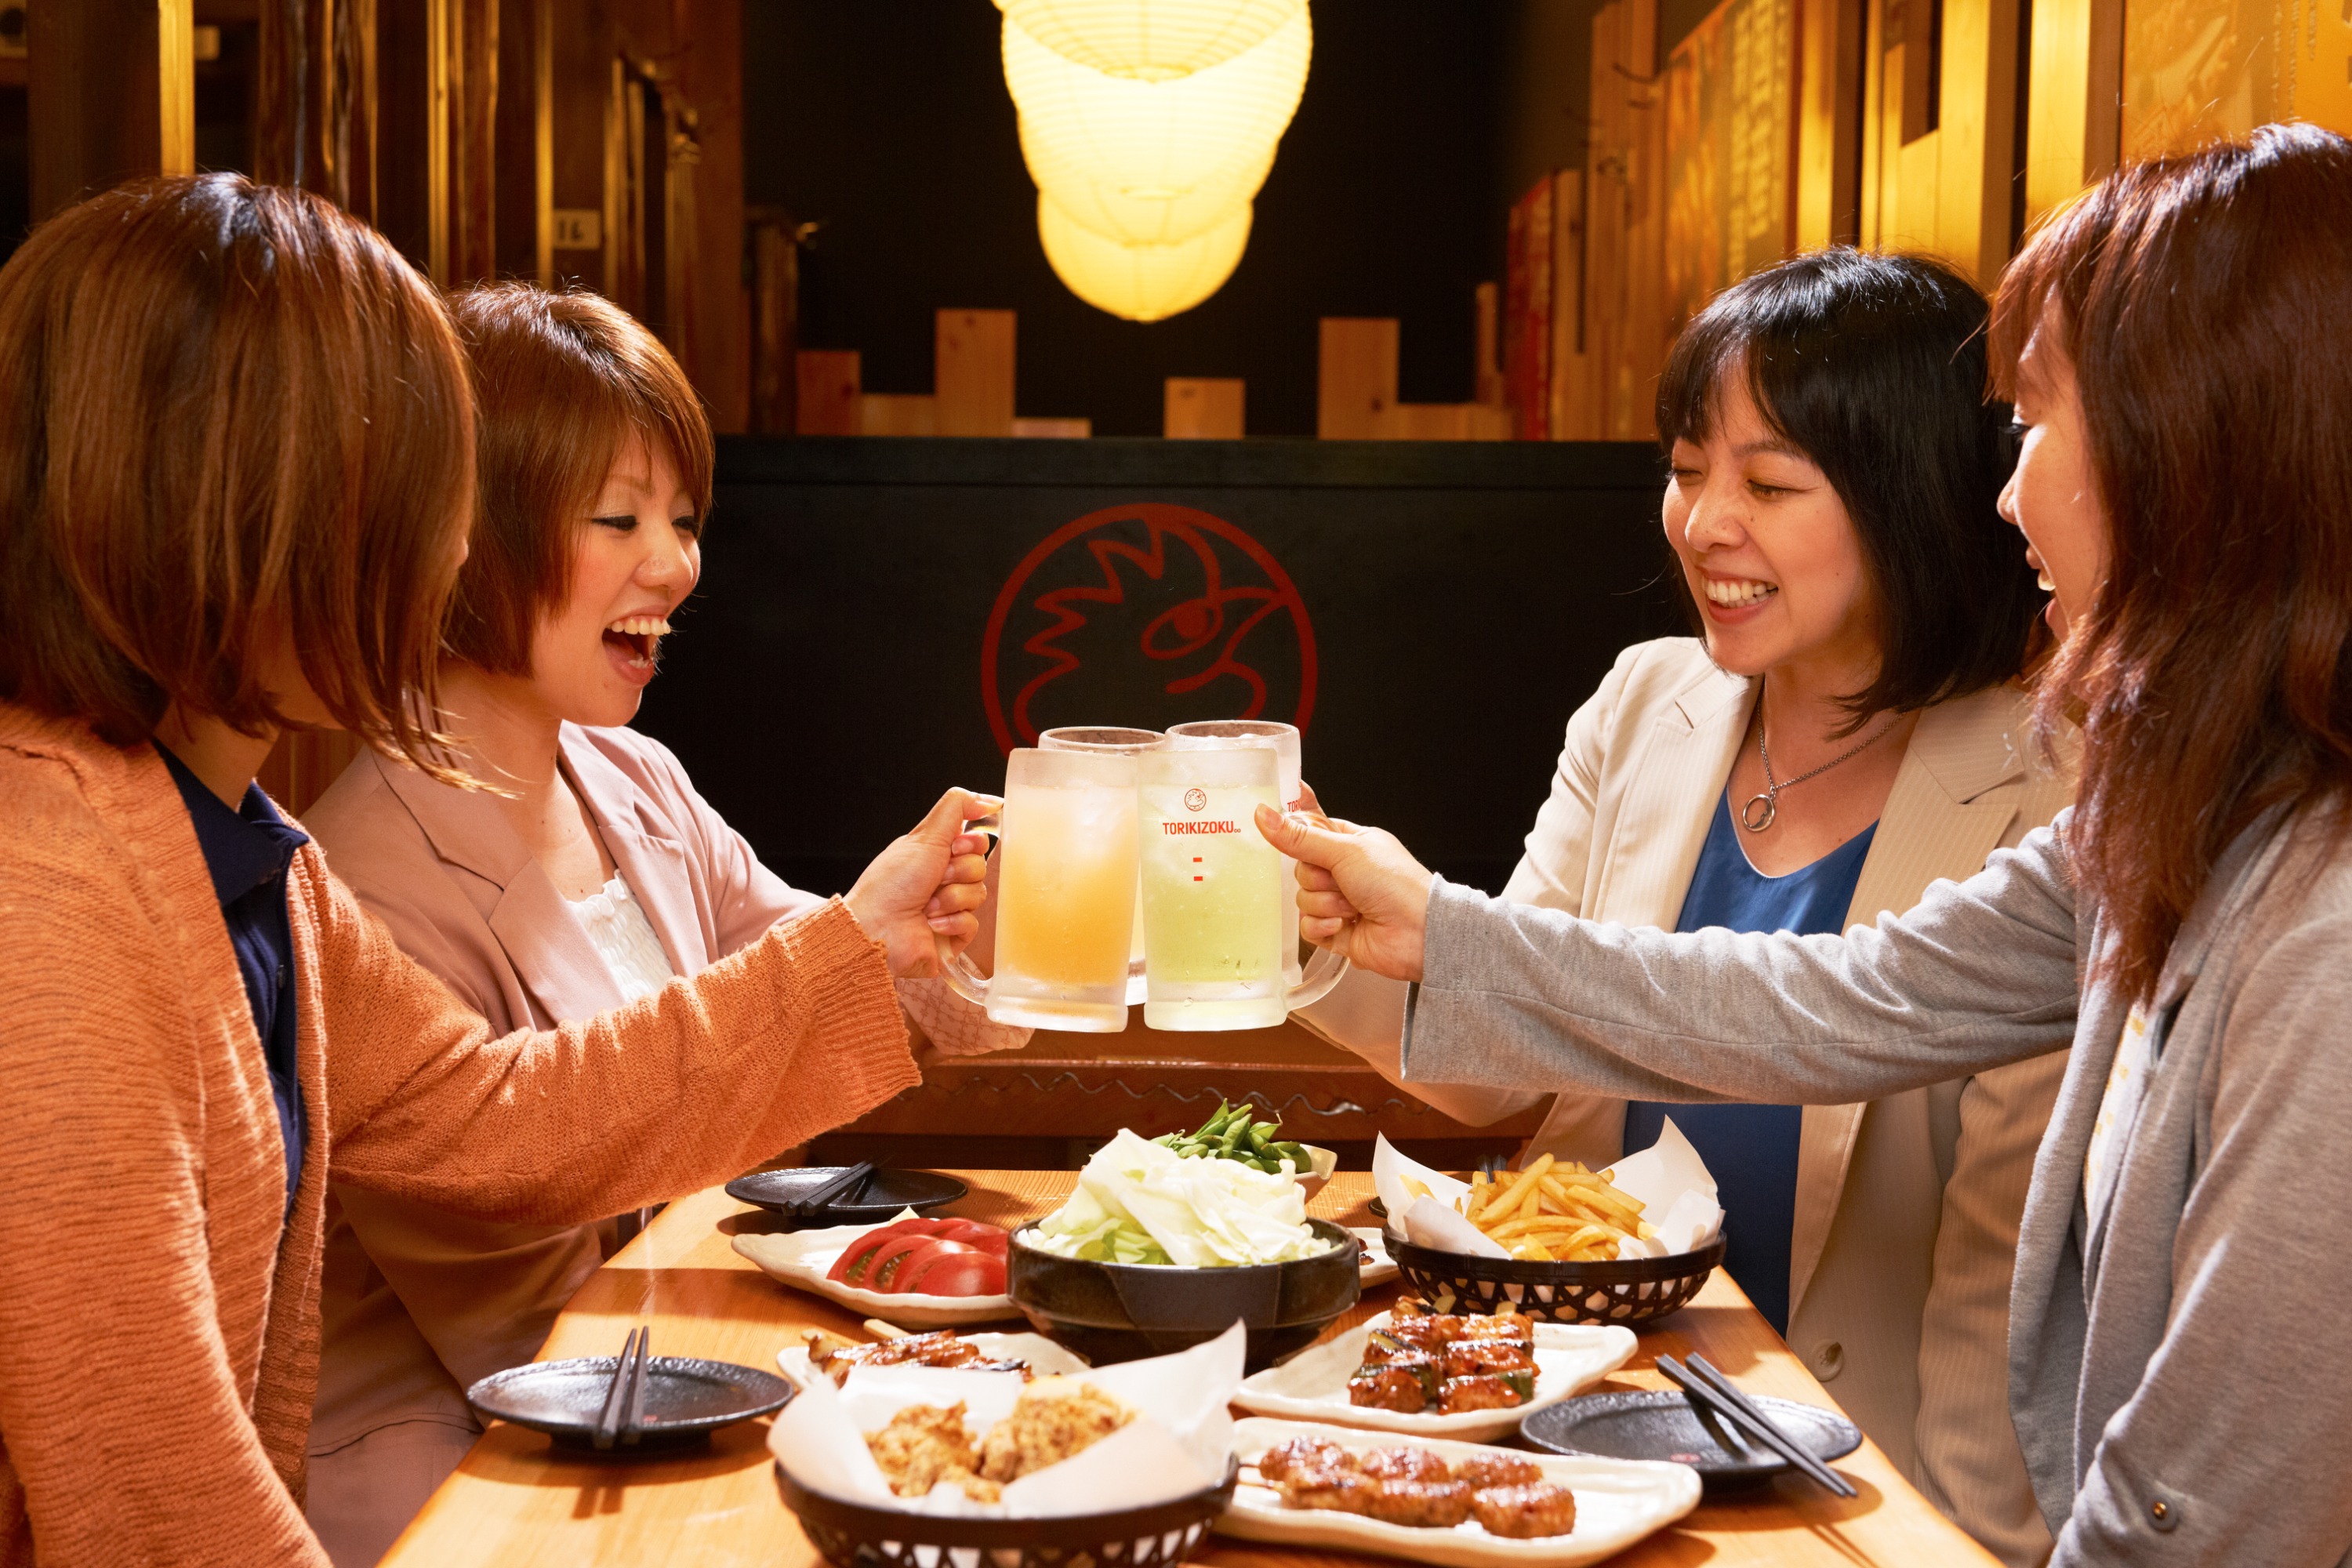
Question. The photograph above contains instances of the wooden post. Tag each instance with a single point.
(1486, 370)
(827, 391)
(1202, 408)
(1828, 122)
(2074, 107)
(972, 370)
(1571, 394)
(775, 323)
(1977, 133)
(1356, 376)
(111, 95)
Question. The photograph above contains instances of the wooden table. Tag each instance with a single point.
(515, 1503)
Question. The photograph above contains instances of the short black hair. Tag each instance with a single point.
(1875, 366)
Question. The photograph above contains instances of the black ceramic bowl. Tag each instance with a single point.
(1120, 1312)
(1664, 1424)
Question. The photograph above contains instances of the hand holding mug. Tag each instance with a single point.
(1360, 893)
(923, 889)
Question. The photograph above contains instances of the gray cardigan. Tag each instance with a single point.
(2180, 1374)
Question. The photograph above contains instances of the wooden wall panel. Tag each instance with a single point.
(2075, 104)
(110, 95)
(1978, 134)
(1356, 376)
(1573, 415)
(1828, 122)
(972, 370)
(1204, 408)
(828, 392)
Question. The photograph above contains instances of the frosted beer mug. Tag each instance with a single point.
(1283, 740)
(1065, 895)
(1127, 742)
(1214, 891)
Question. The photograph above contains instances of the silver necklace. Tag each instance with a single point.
(1759, 812)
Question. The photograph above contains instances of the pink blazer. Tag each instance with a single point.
(418, 1302)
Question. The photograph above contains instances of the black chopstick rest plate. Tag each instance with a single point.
(676, 1403)
(885, 1194)
(1729, 1404)
(1662, 1423)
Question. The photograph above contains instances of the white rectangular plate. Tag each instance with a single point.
(801, 1257)
(1618, 1501)
(1313, 1384)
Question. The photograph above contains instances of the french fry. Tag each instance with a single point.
(1509, 1202)
(1553, 1211)
(1418, 1189)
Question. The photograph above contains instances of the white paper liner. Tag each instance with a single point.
(1177, 1444)
(1668, 1179)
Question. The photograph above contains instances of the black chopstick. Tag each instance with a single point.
(815, 1202)
(1703, 1384)
(633, 1423)
(610, 1421)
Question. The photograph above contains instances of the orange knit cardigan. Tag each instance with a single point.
(159, 1326)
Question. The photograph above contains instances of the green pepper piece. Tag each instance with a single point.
(1522, 1383)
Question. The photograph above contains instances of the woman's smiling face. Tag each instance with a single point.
(638, 557)
(2053, 496)
(1766, 544)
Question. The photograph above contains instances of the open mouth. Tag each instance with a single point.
(1736, 593)
(635, 640)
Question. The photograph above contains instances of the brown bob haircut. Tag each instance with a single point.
(2193, 299)
(561, 383)
(231, 419)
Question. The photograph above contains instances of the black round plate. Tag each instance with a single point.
(871, 1200)
(1664, 1424)
(686, 1398)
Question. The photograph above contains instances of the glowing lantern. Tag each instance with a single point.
(1140, 282)
(1152, 163)
(1151, 41)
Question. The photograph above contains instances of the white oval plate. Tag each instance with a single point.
(801, 1257)
(1046, 1358)
(1379, 1267)
(1313, 1384)
(1618, 1502)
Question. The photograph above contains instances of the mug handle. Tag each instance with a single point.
(1315, 985)
(963, 975)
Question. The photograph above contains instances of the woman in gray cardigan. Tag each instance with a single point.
(2181, 1346)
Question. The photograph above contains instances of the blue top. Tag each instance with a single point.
(247, 851)
(1752, 1149)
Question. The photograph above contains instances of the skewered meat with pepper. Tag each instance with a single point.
(1497, 1469)
(1406, 1384)
(1402, 1465)
(836, 1357)
(1503, 1325)
(1339, 1491)
(1490, 1391)
(1427, 1505)
(1522, 1514)
(1301, 1455)
(1430, 1334)
(1469, 1358)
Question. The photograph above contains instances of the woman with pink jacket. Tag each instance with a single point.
(596, 878)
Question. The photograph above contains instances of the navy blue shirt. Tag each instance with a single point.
(1752, 1149)
(247, 851)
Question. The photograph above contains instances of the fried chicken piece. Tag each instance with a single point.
(1488, 1391)
(1054, 1419)
(1425, 1505)
(1497, 1469)
(924, 1444)
(1403, 1465)
(1301, 1455)
(1339, 1491)
(1403, 1384)
(1524, 1512)
(1469, 1358)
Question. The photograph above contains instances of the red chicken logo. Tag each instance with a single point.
(1147, 614)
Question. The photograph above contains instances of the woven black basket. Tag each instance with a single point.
(1629, 1292)
(858, 1535)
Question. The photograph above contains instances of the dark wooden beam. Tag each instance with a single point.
(111, 95)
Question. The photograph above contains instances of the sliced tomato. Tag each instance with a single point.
(992, 1238)
(893, 1256)
(854, 1264)
(952, 1268)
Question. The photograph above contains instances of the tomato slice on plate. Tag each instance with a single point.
(953, 1269)
(854, 1265)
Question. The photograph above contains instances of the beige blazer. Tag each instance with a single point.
(418, 1302)
(1907, 1207)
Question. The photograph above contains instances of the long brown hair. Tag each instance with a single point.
(230, 413)
(2200, 302)
(562, 381)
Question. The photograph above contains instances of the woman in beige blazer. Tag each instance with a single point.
(597, 876)
(1906, 1210)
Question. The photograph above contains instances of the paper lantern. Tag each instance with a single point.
(1151, 41)
(1140, 282)
(1155, 162)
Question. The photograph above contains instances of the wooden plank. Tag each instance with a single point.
(1487, 371)
(710, 76)
(2074, 113)
(1571, 417)
(1977, 133)
(775, 323)
(1356, 376)
(1204, 408)
(1641, 353)
(516, 1503)
(110, 96)
(971, 372)
(1828, 122)
(1054, 430)
(899, 414)
(473, 141)
(1527, 313)
(826, 392)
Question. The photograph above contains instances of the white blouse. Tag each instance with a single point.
(616, 923)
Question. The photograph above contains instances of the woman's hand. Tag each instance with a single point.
(926, 885)
(1360, 893)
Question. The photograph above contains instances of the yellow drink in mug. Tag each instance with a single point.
(1065, 894)
(1127, 742)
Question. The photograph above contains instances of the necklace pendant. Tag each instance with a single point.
(1758, 814)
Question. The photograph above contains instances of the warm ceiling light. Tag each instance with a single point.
(1140, 282)
(1153, 40)
(1154, 163)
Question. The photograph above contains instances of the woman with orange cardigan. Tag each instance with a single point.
(235, 475)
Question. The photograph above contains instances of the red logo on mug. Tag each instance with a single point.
(1195, 800)
(1147, 614)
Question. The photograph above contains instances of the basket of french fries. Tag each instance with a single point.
(1556, 1241)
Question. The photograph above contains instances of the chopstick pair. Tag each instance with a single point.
(816, 1202)
(1703, 1385)
(623, 1421)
